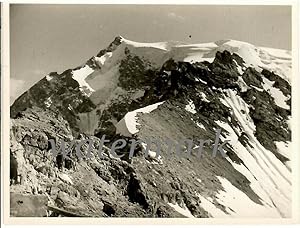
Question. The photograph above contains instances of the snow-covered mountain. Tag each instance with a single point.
(163, 90)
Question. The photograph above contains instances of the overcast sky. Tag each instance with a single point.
(46, 38)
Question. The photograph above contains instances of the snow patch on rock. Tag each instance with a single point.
(204, 97)
(242, 84)
(239, 68)
(190, 107)
(49, 78)
(258, 89)
(200, 80)
(128, 125)
(279, 98)
(284, 148)
(65, 178)
(48, 102)
(152, 155)
(80, 75)
(184, 211)
(101, 60)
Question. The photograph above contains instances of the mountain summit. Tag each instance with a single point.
(163, 90)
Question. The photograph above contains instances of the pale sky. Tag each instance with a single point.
(47, 38)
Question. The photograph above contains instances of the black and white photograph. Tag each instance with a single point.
(150, 111)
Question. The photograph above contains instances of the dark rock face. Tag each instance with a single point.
(252, 77)
(139, 187)
(134, 72)
(61, 94)
(224, 70)
(13, 169)
(270, 120)
(280, 83)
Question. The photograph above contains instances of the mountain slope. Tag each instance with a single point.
(162, 90)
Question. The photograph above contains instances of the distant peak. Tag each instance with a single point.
(112, 46)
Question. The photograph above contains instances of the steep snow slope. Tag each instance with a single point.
(272, 175)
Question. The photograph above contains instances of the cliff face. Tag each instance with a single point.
(161, 91)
